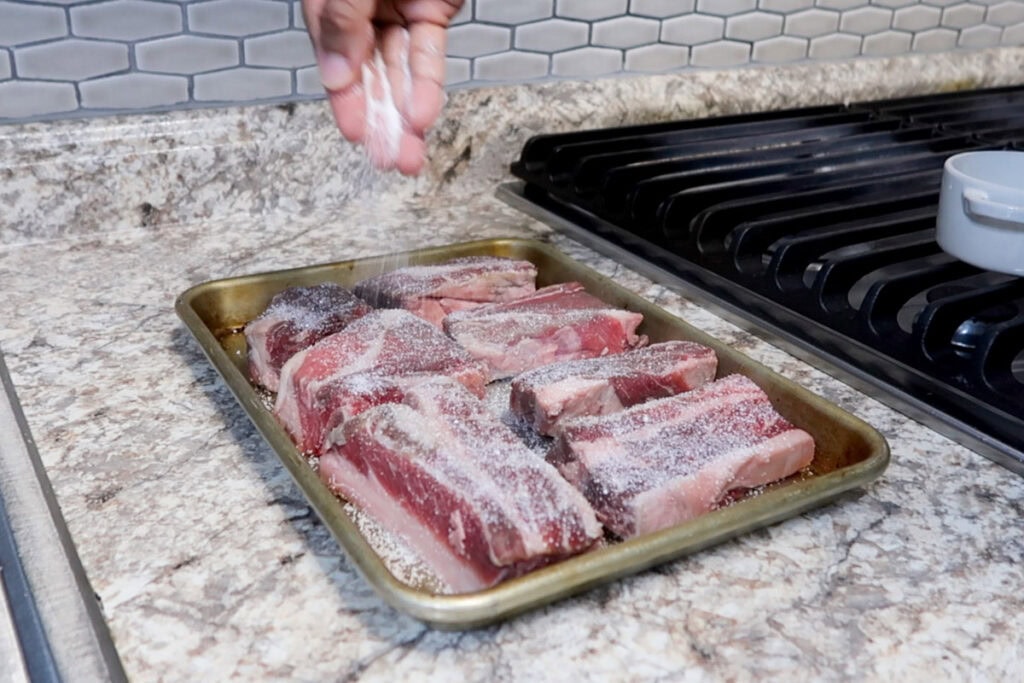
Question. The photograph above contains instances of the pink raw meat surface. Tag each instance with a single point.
(660, 463)
(447, 476)
(317, 387)
(295, 319)
(548, 395)
(556, 323)
(434, 291)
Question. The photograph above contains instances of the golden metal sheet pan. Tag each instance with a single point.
(849, 454)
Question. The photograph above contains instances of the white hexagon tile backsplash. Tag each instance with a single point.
(63, 58)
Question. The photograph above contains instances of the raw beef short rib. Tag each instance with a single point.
(555, 323)
(434, 291)
(452, 480)
(296, 319)
(546, 396)
(319, 387)
(663, 462)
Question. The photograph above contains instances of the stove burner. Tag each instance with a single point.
(817, 227)
(968, 335)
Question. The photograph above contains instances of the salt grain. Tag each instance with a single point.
(397, 554)
(503, 461)
(322, 308)
(472, 277)
(497, 402)
(384, 122)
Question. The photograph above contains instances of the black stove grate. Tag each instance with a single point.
(818, 226)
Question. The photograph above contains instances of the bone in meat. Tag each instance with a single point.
(392, 342)
(433, 291)
(295, 319)
(445, 474)
(669, 460)
(548, 395)
(556, 323)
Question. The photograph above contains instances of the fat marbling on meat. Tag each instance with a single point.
(555, 323)
(433, 291)
(373, 360)
(295, 319)
(546, 396)
(663, 462)
(456, 483)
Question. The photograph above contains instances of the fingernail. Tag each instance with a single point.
(335, 71)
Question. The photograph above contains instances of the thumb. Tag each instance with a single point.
(346, 39)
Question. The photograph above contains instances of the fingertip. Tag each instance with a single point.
(336, 72)
(349, 109)
(426, 64)
(412, 155)
(425, 104)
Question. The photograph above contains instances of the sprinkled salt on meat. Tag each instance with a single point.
(317, 387)
(434, 291)
(443, 472)
(556, 323)
(401, 560)
(668, 460)
(497, 400)
(297, 318)
(350, 395)
(546, 396)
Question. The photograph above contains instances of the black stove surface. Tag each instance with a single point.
(817, 228)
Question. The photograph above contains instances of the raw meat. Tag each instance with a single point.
(349, 395)
(434, 291)
(446, 475)
(546, 396)
(556, 323)
(666, 461)
(295, 319)
(316, 388)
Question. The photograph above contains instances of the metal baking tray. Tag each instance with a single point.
(850, 453)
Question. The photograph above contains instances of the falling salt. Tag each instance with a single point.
(384, 122)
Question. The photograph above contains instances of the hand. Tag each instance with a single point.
(410, 37)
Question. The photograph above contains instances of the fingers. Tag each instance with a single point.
(342, 32)
(412, 154)
(390, 142)
(394, 47)
(426, 65)
(349, 109)
(343, 35)
(311, 14)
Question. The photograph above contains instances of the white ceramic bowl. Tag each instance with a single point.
(981, 210)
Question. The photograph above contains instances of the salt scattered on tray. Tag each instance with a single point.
(496, 400)
(401, 560)
(394, 551)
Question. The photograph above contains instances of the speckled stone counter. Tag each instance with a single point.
(208, 561)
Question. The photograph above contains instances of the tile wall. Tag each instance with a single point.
(64, 58)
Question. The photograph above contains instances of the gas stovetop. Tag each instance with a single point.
(816, 228)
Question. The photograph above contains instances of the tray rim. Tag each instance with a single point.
(566, 578)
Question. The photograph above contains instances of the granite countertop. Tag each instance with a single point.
(209, 563)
